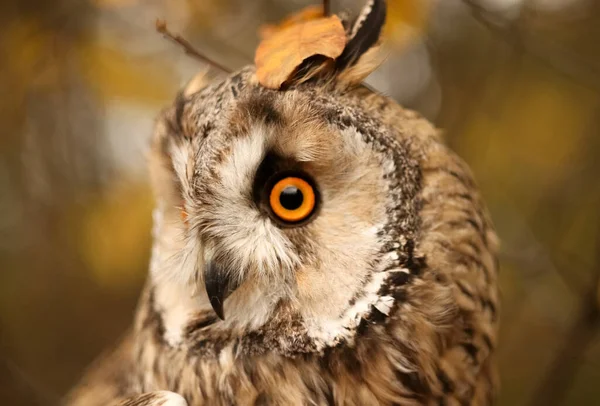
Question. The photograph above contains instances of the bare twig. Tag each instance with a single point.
(559, 378)
(161, 27)
(560, 375)
(531, 255)
(553, 56)
(20, 381)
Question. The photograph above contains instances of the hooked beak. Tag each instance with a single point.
(218, 286)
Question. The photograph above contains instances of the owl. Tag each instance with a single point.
(315, 244)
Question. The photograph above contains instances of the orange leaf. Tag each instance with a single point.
(279, 55)
(306, 14)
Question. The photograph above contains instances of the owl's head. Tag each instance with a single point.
(299, 208)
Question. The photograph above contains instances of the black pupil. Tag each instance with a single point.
(291, 198)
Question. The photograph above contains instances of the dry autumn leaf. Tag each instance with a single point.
(280, 54)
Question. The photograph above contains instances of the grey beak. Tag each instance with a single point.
(216, 282)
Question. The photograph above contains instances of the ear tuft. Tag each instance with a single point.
(363, 67)
(197, 83)
(364, 34)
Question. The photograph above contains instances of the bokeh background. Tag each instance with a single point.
(514, 83)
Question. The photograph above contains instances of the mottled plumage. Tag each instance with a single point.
(386, 296)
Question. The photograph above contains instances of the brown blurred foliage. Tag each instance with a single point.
(515, 84)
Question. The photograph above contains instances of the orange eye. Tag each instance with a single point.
(292, 199)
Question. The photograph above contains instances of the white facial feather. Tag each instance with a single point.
(260, 252)
(247, 152)
(255, 243)
(182, 163)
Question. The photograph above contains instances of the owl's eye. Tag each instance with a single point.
(292, 199)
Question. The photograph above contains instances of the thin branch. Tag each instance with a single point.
(23, 383)
(536, 260)
(161, 27)
(551, 55)
(559, 378)
(527, 252)
(557, 381)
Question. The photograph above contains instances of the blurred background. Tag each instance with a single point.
(514, 83)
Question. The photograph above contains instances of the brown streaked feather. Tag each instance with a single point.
(434, 343)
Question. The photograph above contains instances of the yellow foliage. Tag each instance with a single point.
(533, 115)
(204, 14)
(115, 236)
(405, 18)
(113, 73)
(26, 50)
(34, 61)
(114, 3)
(24, 44)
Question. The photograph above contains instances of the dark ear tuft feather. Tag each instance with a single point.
(364, 34)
